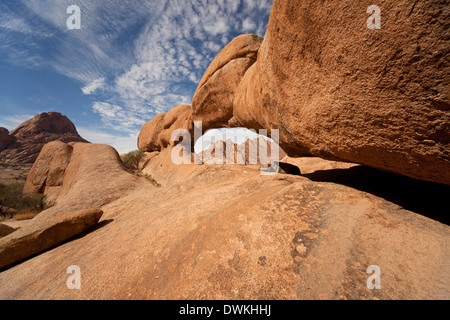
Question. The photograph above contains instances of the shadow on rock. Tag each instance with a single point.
(98, 226)
(422, 197)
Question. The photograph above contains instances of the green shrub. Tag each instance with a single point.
(131, 160)
(12, 200)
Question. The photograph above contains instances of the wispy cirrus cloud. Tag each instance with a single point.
(173, 50)
(133, 58)
(117, 117)
(122, 144)
(93, 86)
(11, 122)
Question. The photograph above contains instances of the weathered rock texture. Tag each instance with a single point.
(311, 164)
(213, 100)
(27, 140)
(48, 170)
(5, 138)
(220, 233)
(156, 134)
(334, 89)
(79, 176)
(338, 90)
(40, 236)
(177, 118)
(148, 139)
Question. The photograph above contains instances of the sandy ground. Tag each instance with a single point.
(11, 174)
(14, 173)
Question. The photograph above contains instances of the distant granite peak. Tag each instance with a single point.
(24, 144)
(52, 122)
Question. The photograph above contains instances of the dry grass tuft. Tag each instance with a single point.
(25, 215)
(131, 162)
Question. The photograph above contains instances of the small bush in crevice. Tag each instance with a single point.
(132, 159)
(131, 162)
(148, 177)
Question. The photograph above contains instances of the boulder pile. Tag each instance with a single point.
(339, 91)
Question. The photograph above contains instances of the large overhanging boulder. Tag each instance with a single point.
(212, 103)
(339, 90)
(335, 88)
(213, 100)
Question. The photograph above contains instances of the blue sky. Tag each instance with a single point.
(129, 61)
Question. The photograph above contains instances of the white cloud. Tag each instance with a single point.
(13, 121)
(177, 47)
(122, 143)
(14, 24)
(117, 117)
(248, 25)
(93, 86)
(216, 27)
(155, 51)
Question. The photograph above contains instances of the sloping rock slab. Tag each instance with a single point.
(42, 235)
(5, 230)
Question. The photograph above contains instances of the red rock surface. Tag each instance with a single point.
(5, 138)
(341, 91)
(231, 233)
(338, 90)
(334, 89)
(31, 136)
(39, 236)
(70, 182)
(177, 118)
(148, 139)
(213, 100)
(47, 174)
